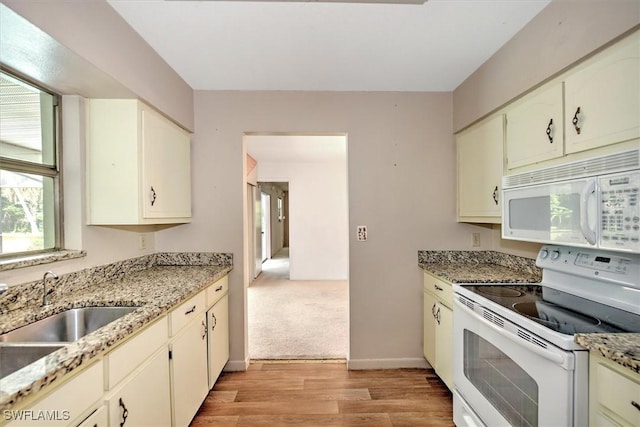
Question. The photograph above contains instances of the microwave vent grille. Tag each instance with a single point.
(612, 163)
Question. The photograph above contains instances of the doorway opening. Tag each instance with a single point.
(298, 303)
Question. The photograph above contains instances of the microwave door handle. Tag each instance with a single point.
(587, 193)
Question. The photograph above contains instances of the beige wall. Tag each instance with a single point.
(561, 34)
(401, 175)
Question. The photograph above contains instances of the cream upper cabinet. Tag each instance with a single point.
(480, 169)
(602, 98)
(138, 165)
(535, 128)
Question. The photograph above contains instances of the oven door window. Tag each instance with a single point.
(508, 387)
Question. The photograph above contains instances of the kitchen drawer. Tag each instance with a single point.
(438, 287)
(65, 403)
(126, 357)
(187, 311)
(217, 291)
(616, 392)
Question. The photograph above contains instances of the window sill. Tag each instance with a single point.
(45, 258)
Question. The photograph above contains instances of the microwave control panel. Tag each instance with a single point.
(620, 212)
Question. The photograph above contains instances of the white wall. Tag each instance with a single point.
(318, 217)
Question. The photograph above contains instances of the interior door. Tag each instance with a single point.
(257, 224)
(266, 226)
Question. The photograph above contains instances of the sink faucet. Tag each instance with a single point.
(45, 297)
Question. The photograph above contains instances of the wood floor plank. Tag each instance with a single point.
(337, 420)
(309, 407)
(326, 394)
(287, 395)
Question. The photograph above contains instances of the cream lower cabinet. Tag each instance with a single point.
(438, 327)
(99, 418)
(143, 399)
(67, 405)
(480, 169)
(614, 394)
(188, 349)
(218, 338)
(218, 328)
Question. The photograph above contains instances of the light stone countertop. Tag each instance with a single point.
(624, 349)
(147, 282)
(495, 267)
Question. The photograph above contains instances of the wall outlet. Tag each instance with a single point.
(362, 233)
(475, 240)
(142, 242)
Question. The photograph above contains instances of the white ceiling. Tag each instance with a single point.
(235, 45)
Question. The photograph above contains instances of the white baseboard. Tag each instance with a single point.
(417, 362)
(236, 365)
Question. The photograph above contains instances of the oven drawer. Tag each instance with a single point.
(614, 392)
(438, 287)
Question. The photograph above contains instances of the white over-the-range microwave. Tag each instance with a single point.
(589, 203)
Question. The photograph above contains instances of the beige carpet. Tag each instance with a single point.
(302, 319)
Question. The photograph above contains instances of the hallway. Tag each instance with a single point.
(299, 319)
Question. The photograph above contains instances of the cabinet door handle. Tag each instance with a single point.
(153, 196)
(191, 310)
(635, 405)
(204, 330)
(219, 288)
(576, 121)
(215, 321)
(433, 310)
(495, 195)
(125, 412)
(438, 316)
(550, 131)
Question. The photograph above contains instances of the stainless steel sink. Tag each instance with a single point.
(68, 326)
(16, 356)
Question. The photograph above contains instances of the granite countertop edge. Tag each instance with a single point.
(155, 290)
(623, 349)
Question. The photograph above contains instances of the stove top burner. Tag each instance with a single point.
(500, 291)
(559, 311)
(557, 318)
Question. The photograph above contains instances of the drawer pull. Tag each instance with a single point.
(635, 405)
(438, 288)
(125, 412)
(191, 310)
(219, 288)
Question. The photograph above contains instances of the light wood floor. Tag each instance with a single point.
(326, 394)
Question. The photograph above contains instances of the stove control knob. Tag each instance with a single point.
(544, 254)
(555, 255)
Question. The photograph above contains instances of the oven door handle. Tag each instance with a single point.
(557, 358)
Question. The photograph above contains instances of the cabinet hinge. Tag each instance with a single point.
(170, 355)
